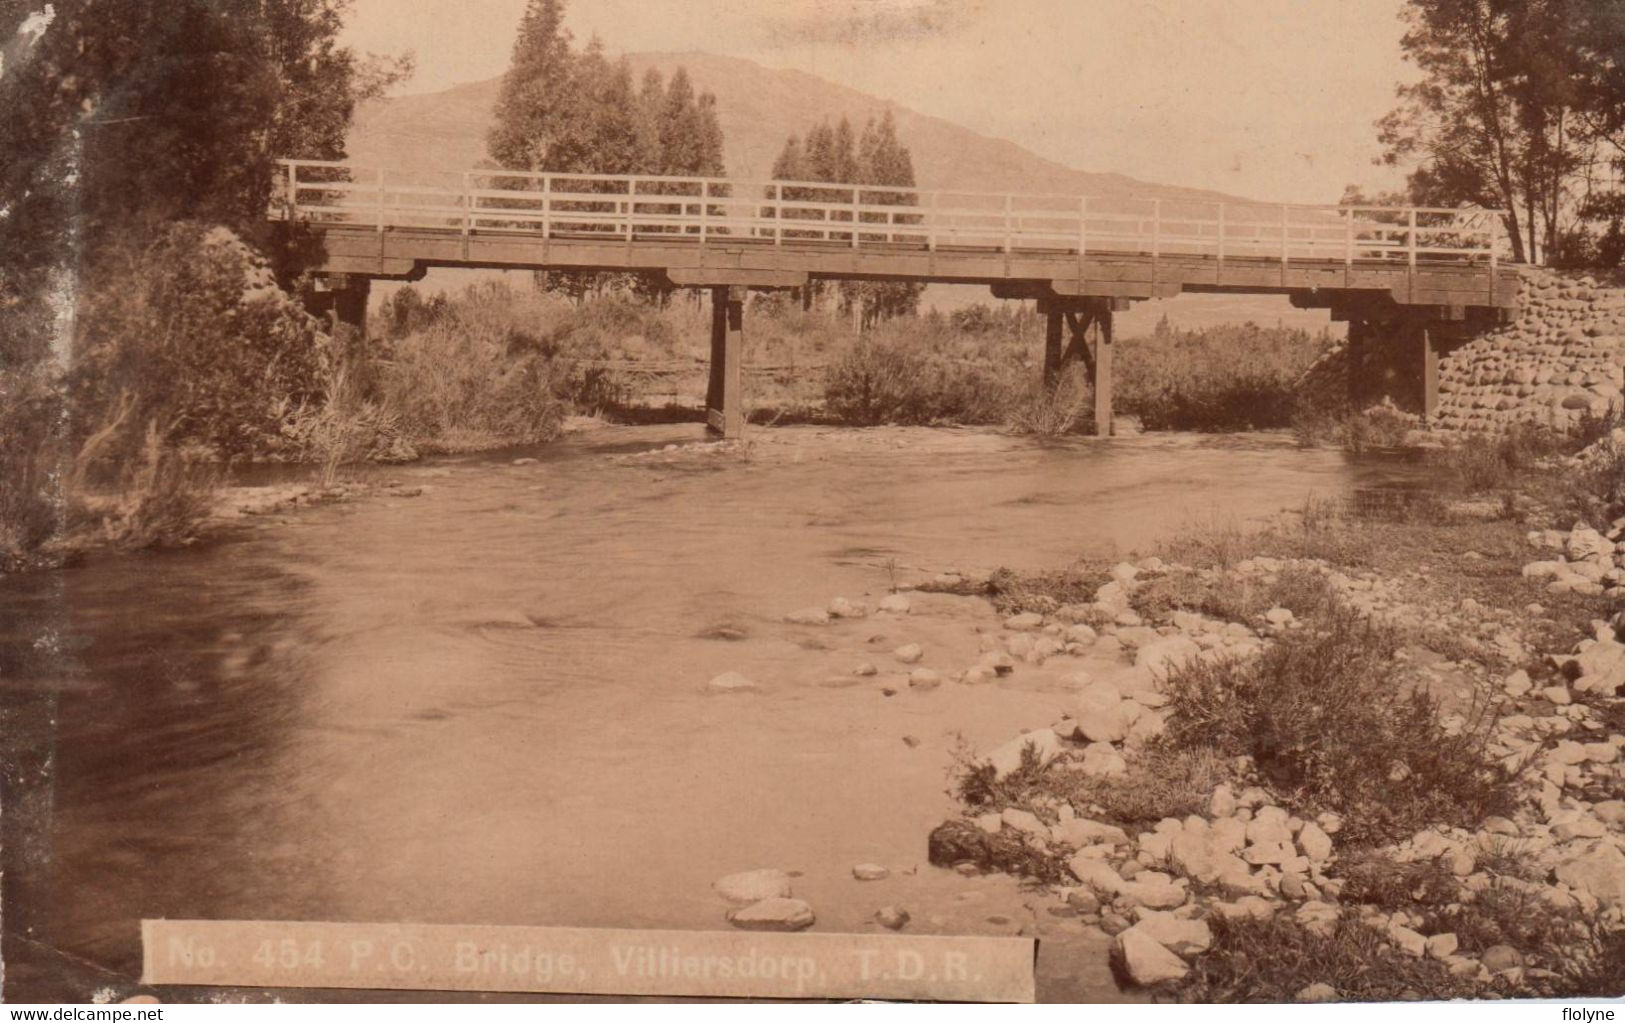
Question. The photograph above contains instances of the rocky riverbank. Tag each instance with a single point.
(1252, 853)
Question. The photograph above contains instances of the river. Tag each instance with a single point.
(487, 703)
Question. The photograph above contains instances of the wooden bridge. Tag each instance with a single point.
(1411, 278)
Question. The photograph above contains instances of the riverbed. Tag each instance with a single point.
(487, 702)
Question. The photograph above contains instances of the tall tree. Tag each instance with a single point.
(878, 157)
(1496, 118)
(118, 118)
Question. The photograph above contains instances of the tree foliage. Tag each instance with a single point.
(1519, 108)
(571, 111)
(117, 118)
(878, 157)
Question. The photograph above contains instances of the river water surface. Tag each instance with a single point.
(487, 703)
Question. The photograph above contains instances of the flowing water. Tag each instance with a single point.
(487, 703)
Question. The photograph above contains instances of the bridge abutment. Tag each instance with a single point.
(1396, 358)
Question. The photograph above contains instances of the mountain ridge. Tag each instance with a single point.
(759, 107)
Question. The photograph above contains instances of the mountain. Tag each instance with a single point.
(759, 108)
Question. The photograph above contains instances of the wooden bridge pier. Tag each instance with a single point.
(343, 298)
(1081, 317)
(1394, 350)
(724, 398)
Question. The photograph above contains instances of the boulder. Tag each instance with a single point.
(1162, 656)
(754, 886)
(1153, 891)
(909, 653)
(893, 918)
(1442, 946)
(1410, 942)
(1099, 713)
(1100, 760)
(1096, 874)
(808, 616)
(1598, 872)
(777, 914)
(1025, 822)
(1145, 961)
(1315, 843)
(1007, 758)
(894, 603)
(1497, 958)
(1079, 832)
(924, 678)
(870, 872)
(1179, 936)
(840, 607)
(1027, 621)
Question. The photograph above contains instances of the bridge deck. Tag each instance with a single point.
(702, 231)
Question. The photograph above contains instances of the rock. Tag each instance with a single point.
(1100, 760)
(909, 653)
(924, 678)
(1099, 713)
(1027, 621)
(754, 886)
(870, 872)
(1145, 961)
(893, 918)
(894, 603)
(731, 682)
(1248, 906)
(1316, 993)
(1442, 946)
(1223, 802)
(1517, 684)
(866, 670)
(1279, 617)
(1096, 874)
(1079, 832)
(1497, 958)
(808, 616)
(777, 914)
(1166, 655)
(1459, 862)
(1155, 892)
(1577, 825)
(1315, 843)
(1599, 872)
(1410, 942)
(1181, 937)
(1558, 695)
(1317, 917)
(1112, 599)
(1006, 759)
(1584, 542)
(840, 607)
(1025, 822)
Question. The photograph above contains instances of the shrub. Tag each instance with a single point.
(187, 335)
(1330, 718)
(1271, 960)
(895, 376)
(1219, 378)
(1053, 411)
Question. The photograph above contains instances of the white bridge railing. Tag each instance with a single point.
(633, 208)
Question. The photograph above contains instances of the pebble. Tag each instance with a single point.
(893, 918)
(870, 872)
(909, 653)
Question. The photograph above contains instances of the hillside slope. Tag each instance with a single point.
(759, 108)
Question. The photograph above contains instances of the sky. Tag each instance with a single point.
(1270, 99)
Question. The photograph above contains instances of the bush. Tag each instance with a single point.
(1271, 960)
(187, 335)
(896, 376)
(1331, 719)
(1216, 379)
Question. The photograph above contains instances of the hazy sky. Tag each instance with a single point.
(1272, 99)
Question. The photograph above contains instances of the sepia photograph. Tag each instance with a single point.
(811, 501)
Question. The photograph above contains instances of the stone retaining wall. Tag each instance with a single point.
(1563, 358)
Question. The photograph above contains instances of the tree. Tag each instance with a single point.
(571, 112)
(878, 157)
(1498, 118)
(119, 118)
